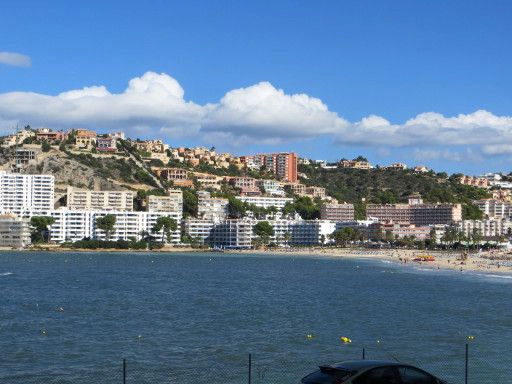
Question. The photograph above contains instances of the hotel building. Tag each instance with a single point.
(337, 212)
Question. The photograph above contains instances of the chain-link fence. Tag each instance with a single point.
(462, 364)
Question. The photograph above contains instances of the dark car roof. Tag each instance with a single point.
(357, 365)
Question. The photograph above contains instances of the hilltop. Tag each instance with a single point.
(388, 186)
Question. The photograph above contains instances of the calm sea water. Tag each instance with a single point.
(189, 318)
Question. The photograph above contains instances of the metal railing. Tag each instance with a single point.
(464, 365)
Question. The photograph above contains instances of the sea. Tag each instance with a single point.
(243, 318)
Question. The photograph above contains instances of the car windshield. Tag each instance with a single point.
(327, 375)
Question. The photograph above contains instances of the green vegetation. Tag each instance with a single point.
(45, 146)
(119, 244)
(307, 209)
(40, 226)
(342, 237)
(238, 208)
(264, 231)
(387, 186)
(189, 203)
(106, 224)
(167, 225)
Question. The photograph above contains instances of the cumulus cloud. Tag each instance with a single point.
(263, 111)
(15, 59)
(154, 104)
(152, 101)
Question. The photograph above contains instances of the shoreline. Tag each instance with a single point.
(444, 260)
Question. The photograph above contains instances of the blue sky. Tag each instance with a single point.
(328, 79)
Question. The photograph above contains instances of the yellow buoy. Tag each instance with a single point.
(345, 340)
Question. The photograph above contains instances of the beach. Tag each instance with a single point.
(493, 261)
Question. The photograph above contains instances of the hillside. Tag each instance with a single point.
(382, 186)
(85, 170)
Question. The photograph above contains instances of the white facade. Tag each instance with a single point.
(272, 187)
(238, 233)
(486, 228)
(200, 230)
(266, 202)
(99, 200)
(24, 195)
(171, 203)
(495, 208)
(75, 225)
(211, 208)
(14, 231)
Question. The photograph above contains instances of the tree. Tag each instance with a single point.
(476, 237)
(106, 224)
(45, 147)
(287, 237)
(433, 237)
(389, 236)
(189, 203)
(471, 212)
(342, 236)
(264, 231)
(40, 226)
(167, 225)
(236, 207)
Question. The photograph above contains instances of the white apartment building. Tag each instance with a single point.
(238, 233)
(26, 195)
(14, 231)
(99, 200)
(233, 234)
(266, 201)
(75, 225)
(495, 208)
(271, 187)
(171, 203)
(211, 208)
(486, 228)
(200, 230)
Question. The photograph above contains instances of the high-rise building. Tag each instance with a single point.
(26, 194)
(283, 164)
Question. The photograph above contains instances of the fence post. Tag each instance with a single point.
(124, 371)
(364, 354)
(250, 367)
(466, 366)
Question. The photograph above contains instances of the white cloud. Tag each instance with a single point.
(154, 101)
(263, 111)
(155, 105)
(497, 149)
(15, 59)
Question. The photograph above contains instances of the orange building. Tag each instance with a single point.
(283, 164)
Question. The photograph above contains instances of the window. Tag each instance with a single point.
(381, 375)
(327, 375)
(411, 375)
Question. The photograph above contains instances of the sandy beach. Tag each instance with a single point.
(494, 261)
